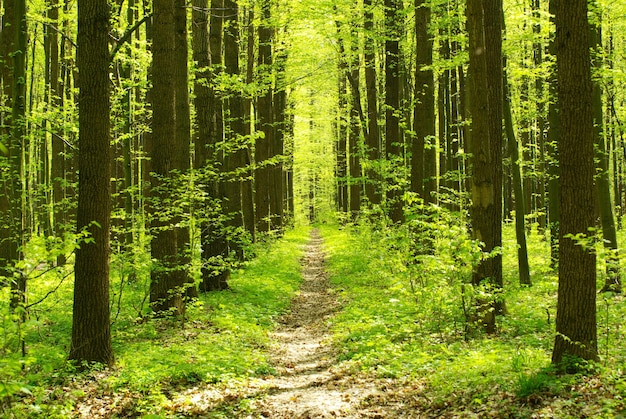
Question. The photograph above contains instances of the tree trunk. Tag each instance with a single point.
(576, 328)
(183, 145)
(91, 331)
(484, 19)
(612, 281)
(393, 138)
(263, 175)
(167, 285)
(236, 161)
(16, 147)
(554, 129)
(513, 151)
(424, 112)
(372, 142)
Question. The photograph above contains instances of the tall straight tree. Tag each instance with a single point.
(372, 141)
(263, 147)
(484, 25)
(12, 227)
(576, 327)
(424, 111)
(603, 182)
(393, 136)
(237, 157)
(166, 285)
(91, 330)
(183, 137)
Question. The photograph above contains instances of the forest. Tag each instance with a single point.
(312, 208)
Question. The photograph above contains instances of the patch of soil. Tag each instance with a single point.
(307, 384)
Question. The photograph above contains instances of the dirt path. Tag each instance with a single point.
(307, 386)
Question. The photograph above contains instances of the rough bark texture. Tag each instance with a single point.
(17, 224)
(393, 137)
(576, 308)
(263, 174)
(91, 332)
(8, 244)
(424, 112)
(236, 161)
(183, 143)
(485, 47)
(167, 285)
(372, 142)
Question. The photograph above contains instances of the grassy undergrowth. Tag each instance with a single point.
(406, 318)
(222, 340)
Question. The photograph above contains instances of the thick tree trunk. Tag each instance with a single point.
(167, 284)
(576, 328)
(393, 136)
(424, 111)
(16, 147)
(236, 161)
(263, 174)
(485, 43)
(91, 331)
(183, 144)
(372, 142)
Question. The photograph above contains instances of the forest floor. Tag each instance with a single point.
(308, 383)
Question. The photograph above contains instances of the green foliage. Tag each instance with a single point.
(222, 339)
(402, 318)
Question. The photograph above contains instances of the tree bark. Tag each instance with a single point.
(484, 20)
(576, 328)
(424, 112)
(393, 140)
(167, 285)
(372, 142)
(91, 331)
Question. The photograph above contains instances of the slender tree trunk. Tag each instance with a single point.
(576, 328)
(513, 151)
(91, 330)
(247, 190)
(554, 127)
(603, 183)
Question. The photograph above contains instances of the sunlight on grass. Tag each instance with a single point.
(406, 320)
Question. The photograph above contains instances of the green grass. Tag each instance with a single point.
(223, 339)
(405, 320)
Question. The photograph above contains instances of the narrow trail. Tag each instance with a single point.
(307, 384)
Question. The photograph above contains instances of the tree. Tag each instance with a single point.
(424, 111)
(603, 183)
(183, 141)
(263, 148)
(166, 284)
(91, 330)
(372, 142)
(393, 137)
(484, 25)
(576, 328)
(14, 185)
